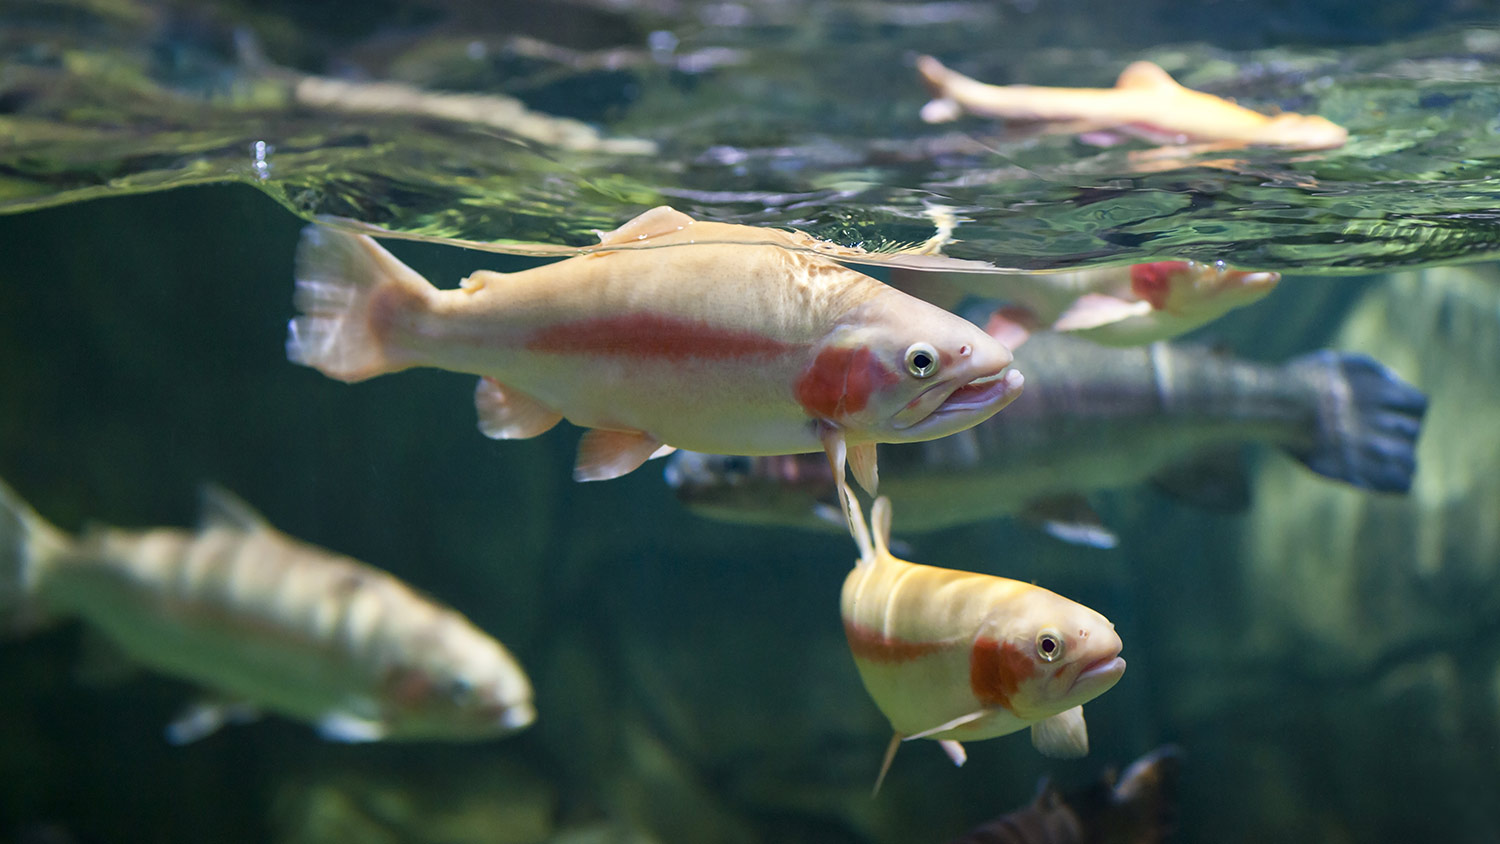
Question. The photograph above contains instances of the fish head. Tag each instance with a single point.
(898, 369)
(1045, 655)
(460, 684)
(787, 489)
(1304, 131)
(1197, 290)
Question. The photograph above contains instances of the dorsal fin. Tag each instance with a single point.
(663, 219)
(1144, 76)
(880, 522)
(221, 508)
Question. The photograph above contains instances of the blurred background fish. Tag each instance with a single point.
(265, 622)
(1093, 418)
(1139, 808)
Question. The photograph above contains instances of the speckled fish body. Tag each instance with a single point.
(1145, 101)
(959, 656)
(263, 621)
(686, 336)
(1094, 418)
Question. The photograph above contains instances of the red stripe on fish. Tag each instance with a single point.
(645, 335)
(1153, 282)
(996, 671)
(874, 646)
(840, 381)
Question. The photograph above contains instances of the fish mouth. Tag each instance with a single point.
(985, 395)
(1105, 670)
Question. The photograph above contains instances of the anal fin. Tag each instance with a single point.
(604, 454)
(204, 718)
(509, 414)
(350, 729)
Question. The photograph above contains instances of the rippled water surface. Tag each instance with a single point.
(772, 114)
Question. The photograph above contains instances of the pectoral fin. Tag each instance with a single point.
(1092, 310)
(862, 459)
(350, 729)
(948, 725)
(1012, 325)
(663, 219)
(1071, 519)
(603, 455)
(509, 414)
(1063, 736)
(204, 718)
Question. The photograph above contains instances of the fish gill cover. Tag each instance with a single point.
(453, 121)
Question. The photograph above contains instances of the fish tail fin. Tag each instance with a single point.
(1368, 422)
(352, 295)
(1144, 801)
(28, 545)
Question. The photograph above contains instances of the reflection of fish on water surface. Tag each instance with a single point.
(715, 344)
(263, 621)
(1113, 306)
(1138, 808)
(1145, 101)
(1094, 418)
(958, 656)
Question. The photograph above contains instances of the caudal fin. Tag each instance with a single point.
(353, 295)
(1368, 422)
(27, 545)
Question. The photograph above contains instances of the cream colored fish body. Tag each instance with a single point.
(959, 656)
(694, 335)
(1145, 100)
(263, 621)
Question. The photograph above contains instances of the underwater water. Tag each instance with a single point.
(1326, 658)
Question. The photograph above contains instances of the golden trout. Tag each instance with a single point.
(723, 342)
(958, 656)
(1146, 101)
(264, 622)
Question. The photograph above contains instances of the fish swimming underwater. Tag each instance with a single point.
(958, 656)
(1139, 808)
(714, 344)
(1145, 101)
(1112, 306)
(1094, 418)
(264, 622)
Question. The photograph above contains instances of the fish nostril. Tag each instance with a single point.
(964, 350)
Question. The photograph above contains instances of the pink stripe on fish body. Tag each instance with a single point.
(654, 336)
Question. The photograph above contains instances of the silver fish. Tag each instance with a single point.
(263, 621)
(1095, 418)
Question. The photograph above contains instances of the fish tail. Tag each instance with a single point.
(353, 296)
(28, 546)
(1368, 422)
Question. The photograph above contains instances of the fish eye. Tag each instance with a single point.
(1049, 644)
(921, 360)
(460, 689)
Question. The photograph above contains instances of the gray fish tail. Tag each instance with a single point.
(1368, 422)
(28, 545)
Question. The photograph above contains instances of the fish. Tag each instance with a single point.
(263, 622)
(1129, 305)
(958, 656)
(1094, 418)
(723, 342)
(1138, 808)
(1145, 101)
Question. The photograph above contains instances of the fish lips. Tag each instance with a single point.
(961, 407)
(1098, 676)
